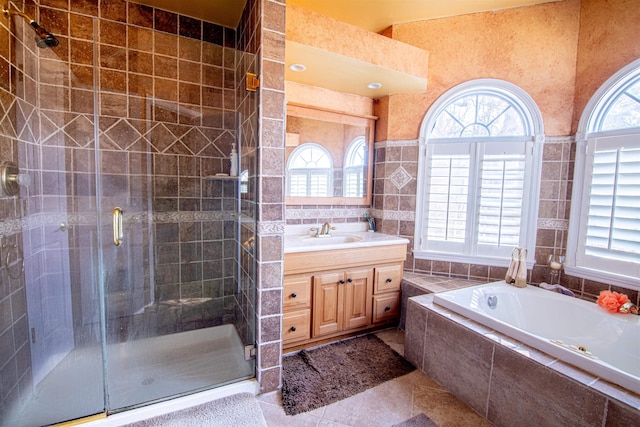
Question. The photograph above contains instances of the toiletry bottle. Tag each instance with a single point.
(233, 169)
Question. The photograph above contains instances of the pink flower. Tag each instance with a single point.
(611, 300)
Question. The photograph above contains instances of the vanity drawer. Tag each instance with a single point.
(296, 326)
(386, 306)
(297, 293)
(387, 278)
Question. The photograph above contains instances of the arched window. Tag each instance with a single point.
(309, 171)
(479, 172)
(354, 164)
(604, 230)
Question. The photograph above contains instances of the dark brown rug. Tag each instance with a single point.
(315, 378)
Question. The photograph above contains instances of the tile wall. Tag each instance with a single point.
(394, 207)
(169, 101)
(506, 381)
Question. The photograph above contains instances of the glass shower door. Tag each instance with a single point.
(174, 317)
(51, 364)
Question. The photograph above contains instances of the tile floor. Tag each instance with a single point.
(385, 405)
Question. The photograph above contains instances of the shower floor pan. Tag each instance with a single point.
(140, 372)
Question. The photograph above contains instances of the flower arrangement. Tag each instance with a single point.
(615, 302)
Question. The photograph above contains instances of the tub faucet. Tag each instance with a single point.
(326, 230)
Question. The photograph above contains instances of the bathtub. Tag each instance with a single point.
(578, 332)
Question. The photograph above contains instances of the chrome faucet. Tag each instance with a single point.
(326, 230)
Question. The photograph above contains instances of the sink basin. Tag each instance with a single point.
(331, 240)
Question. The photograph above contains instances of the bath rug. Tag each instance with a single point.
(239, 410)
(420, 420)
(315, 378)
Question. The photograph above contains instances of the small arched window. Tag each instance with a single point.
(604, 228)
(354, 164)
(309, 171)
(479, 181)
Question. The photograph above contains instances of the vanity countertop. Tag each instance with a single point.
(299, 238)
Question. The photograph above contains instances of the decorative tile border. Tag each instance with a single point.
(265, 228)
(16, 225)
(326, 213)
(397, 143)
(558, 224)
(394, 215)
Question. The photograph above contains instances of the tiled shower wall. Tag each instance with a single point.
(168, 91)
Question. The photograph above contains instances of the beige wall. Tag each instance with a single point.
(533, 47)
(609, 40)
(559, 53)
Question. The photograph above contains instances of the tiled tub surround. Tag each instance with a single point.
(506, 381)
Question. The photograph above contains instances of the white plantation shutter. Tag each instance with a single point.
(309, 171)
(612, 229)
(479, 185)
(501, 192)
(447, 197)
(604, 227)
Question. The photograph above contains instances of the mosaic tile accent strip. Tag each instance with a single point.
(16, 225)
(271, 227)
(394, 215)
(397, 143)
(325, 213)
(558, 224)
(400, 177)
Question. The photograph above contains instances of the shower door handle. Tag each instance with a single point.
(118, 234)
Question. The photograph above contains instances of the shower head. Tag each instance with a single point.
(44, 38)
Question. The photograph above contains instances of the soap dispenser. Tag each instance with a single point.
(233, 159)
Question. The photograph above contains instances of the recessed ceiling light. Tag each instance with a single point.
(374, 85)
(297, 67)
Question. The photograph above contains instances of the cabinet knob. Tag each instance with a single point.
(293, 295)
(387, 308)
(293, 329)
(341, 282)
(389, 280)
(349, 280)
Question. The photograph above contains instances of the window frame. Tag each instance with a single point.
(578, 263)
(533, 140)
(309, 172)
(349, 168)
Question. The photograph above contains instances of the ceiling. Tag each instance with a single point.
(372, 15)
(376, 15)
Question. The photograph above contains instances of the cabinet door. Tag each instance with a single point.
(357, 307)
(328, 303)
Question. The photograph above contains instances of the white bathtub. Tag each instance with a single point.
(538, 317)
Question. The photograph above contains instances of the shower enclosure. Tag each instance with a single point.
(126, 257)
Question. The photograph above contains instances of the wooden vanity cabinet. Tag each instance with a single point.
(341, 300)
(331, 294)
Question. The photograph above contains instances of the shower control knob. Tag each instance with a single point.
(293, 295)
(293, 329)
(389, 280)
